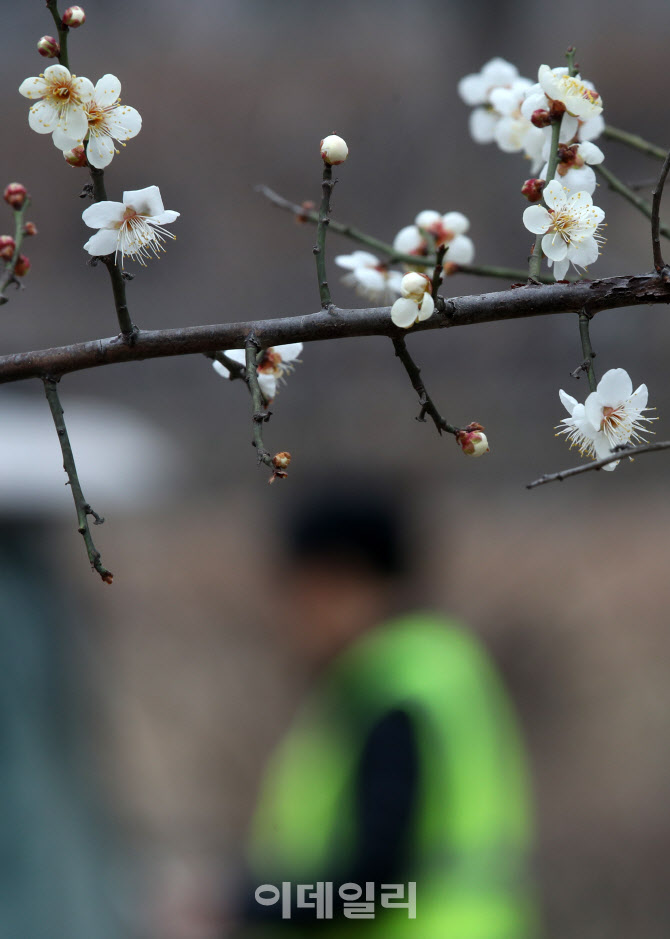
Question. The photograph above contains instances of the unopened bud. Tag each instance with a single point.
(281, 460)
(414, 286)
(16, 195)
(49, 47)
(22, 266)
(7, 247)
(76, 156)
(532, 189)
(30, 229)
(334, 150)
(73, 17)
(541, 118)
(472, 440)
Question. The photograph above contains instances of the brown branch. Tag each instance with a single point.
(657, 194)
(414, 372)
(515, 303)
(618, 453)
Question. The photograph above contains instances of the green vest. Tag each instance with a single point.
(471, 831)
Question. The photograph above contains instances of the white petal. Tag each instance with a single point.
(408, 240)
(593, 410)
(57, 73)
(35, 87)
(164, 218)
(237, 355)
(268, 384)
(554, 194)
(102, 243)
(427, 218)
(603, 450)
(289, 351)
(83, 87)
(580, 179)
(100, 150)
(145, 201)
(561, 269)
(615, 387)
(535, 100)
(585, 252)
(107, 90)
(472, 89)
(537, 219)
(482, 123)
(404, 312)
(640, 397)
(43, 117)
(568, 402)
(456, 222)
(356, 259)
(569, 127)
(554, 247)
(370, 280)
(74, 122)
(591, 153)
(123, 123)
(427, 307)
(104, 214)
(461, 250)
(62, 141)
(593, 128)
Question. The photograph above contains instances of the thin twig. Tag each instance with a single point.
(81, 505)
(657, 195)
(321, 231)
(587, 349)
(619, 186)
(535, 262)
(634, 141)
(617, 454)
(8, 276)
(512, 274)
(235, 369)
(438, 273)
(52, 6)
(260, 414)
(414, 372)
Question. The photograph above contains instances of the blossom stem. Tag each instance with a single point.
(414, 372)
(8, 275)
(82, 507)
(63, 31)
(617, 185)
(634, 141)
(321, 231)
(657, 194)
(587, 349)
(617, 454)
(570, 56)
(354, 234)
(438, 273)
(260, 414)
(535, 262)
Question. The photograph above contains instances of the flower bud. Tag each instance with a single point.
(541, 118)
(76, 156)
(73, 17)
(334, 150)
(30, 229)
(16, 195)
(49, 47)
(281, 460)
(414, 285)
(532, 189)
(472, 441)
(7, 246)
(22, 266)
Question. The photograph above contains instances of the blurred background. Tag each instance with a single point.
(181, 684)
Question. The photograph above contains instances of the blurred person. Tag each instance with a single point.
(405, 764)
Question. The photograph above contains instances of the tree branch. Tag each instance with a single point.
(514, 303)
(52, 6)
(634, 141)
(617, 185)
(617, 454)
(260, 414)
(587, 349)
(8, 275)
(81, 505)
(321, 232)
(414, 372)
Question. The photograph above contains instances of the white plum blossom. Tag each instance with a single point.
(574, 166)
(369, 277)
(569, 224)
(610, 417)
(276, 362)
(513, 131)
(416, 302)
(108, 120)
(432, 229)
(476, 89)
(582, 119)
(133, 227)
(62, 102)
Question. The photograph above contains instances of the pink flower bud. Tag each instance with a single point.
(29, 229)
(472, 441)
(541, 118)
(76, 156)
(334, 150)
(49, 47)
(532, 189)
(16, 195)
(7, 246)
(22, 266)
(73, 17)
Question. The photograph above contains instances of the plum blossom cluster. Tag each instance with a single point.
(79, 114)
(275, 363)
(369, 277)
(611, 416)
(517, 115)
(432, 230)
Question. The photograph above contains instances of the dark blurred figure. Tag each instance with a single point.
(405, 764)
